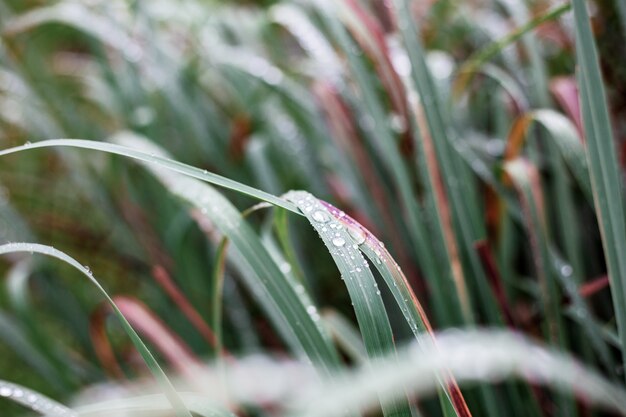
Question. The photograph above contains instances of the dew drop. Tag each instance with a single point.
(321, 216)
(357, 235)
(5, 392)
(566, 270)
(339, 242)
(285, 268)
(300, 289)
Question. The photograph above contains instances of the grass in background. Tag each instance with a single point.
(478, 140)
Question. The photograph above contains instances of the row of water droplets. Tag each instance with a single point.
(13, 247)
(340, 234)
(34, 400)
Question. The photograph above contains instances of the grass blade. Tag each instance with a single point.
(604, 170)
(158, 160)
(478, 356)
(34, 400)
(402, 292)
(276, 293)
(172, 395)
(362, 287)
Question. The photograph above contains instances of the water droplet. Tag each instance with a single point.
(27, 143)
(5, 392)
(285, 268)
(566, 270)
(311, 309)
(339, 242)
(357, 234)
(321, 216)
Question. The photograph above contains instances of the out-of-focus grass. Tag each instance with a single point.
(454, 132)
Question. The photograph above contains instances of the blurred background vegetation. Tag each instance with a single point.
(301, 95)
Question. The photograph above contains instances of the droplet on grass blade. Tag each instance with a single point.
(357, 234)
(321, 216)
(339, 242)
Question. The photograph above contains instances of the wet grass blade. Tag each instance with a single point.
(161, 161)
(33, 400)
(275, 292)
(355, 272)
(172, 395)
(403, 294)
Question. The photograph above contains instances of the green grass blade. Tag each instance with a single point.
(150, 361)
(359, 280)
(158, 160)
(478, 356)
(277, 294)
(604, 170)
(33, 400)
(403, 294)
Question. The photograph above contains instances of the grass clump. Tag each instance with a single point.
(462, 170)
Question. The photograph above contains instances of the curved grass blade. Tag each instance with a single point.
(197, 403)
(158, 160)
(564, 135)
(368, 305)
(170, 392)
(34, 400)
(276, 293)
(470, 356)
(402, 292)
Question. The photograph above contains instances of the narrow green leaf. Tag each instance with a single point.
(604, 169)
(150, 361)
